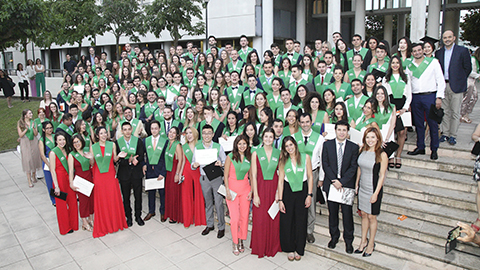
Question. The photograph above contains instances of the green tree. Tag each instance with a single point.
(374, 27)
(176, 17)
(122, 18)
(470, 26)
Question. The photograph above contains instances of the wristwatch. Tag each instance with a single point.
(310, 194)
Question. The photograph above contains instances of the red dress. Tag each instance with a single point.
(173, 195)
(265, 231)
(108, 204)
(193, 203)
(85, 203)
(67, 211)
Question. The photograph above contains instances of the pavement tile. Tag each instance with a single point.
(148, 260)
(11, 255)
(247, 262)
(100, 260)
(8, 240)
(38, 232)
(38, 246)
(21, 265)
(203, 261)
(51, 259)
(179, 251)
(85, 248)
(132, 249)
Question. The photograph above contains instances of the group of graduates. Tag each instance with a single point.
(146, 115)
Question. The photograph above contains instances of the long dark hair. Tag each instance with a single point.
(386, 101)
(252, 115)
(269, 113)
(82, 141)
(284, 156)
(409, 47)
(297, 99)
(44, 137)
(308, 100)
(388, 76)
(236, 120)
(78, 127)
(235, 154)
(255, 139)
(333, 116)
(67, 143)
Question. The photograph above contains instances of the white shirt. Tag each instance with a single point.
(22, 75)
(432, 80)
(30, 71)
(316, 157)
(407, 92)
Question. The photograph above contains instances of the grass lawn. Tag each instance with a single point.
(9, 118)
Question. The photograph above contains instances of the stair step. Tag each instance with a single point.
(411, 248)
(442, 179)
(422, 192)
(444, 151)
(445, 164)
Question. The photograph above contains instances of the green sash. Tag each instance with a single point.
(382, 68)
(274, 104)
(149, 109)
(131, 149)
(295, 176)
(169, 155)
(267, 87)
(237, 98)
(134, 122)
(65, 128)
(241, 168)
(65, 96)
(214, 146)
(85, 162)
(418, 71)
(58, 152)
(355, 112)
(214, 124)
(350, 54)
(268, 168)
(49, 143)
(295, 57)
(285, 77)
(103, 161)
(397, 87)
(227, 132)
(351, 75)
(312, 142)
(476, 63)
(363, 123)
(154, 154)
(138, 109)
(160, 93)
(188, 152)
(30, 135)
(318, 121)
(238, 67)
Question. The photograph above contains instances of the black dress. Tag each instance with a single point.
(6, 87)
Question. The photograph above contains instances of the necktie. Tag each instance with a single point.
(340, 158)
(306, 140)
(168, 126)
(180, 114)
(322, 78)
(276, 143)
(154, 143)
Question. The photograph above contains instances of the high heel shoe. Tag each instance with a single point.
(358, 251)
(241, 248)
(87, 228)
(235, 250)
(365, 254)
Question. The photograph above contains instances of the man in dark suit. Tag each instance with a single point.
(130, 172)
(339, 162)
(456, 65)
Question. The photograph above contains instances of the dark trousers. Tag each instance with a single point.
(151, 201)
(293, 224)
(347, 215)
(420, 109)
(23, 90)
(127, 186)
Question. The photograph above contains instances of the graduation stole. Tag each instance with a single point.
(103, 161)
(397, 86)
(350, 54)
(284, 76)
(363, 123)
(134, 122)
(214, 146)
(169, 153)
(214, 124)
(382, 68)
(318, 121)
(268, 168)
(138, 109)
(205, 91)
(243, 54)
(30, 135)
(149, 109)
(351, 75)
(234, 99)
(173, 90)
(227, 132)
(476, 63)
(312, 141)
(294, 57)
(342, 91)
(241, 168)
(267, 86)
(160, 93)
(65, 96)
(188, 152)
(58, 152)
(85, 162)
(48, 142)
(271, 101)
(154, 154)
(418, 71)
(65, 128)
(238, 67)
(131, 149)
(295, 176)
(247, 98)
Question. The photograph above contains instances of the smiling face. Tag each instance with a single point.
(61, 141)
(172, 134)
(371, 139)
(290, 147)
(242, 146)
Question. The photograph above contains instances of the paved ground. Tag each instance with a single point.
(29, 238)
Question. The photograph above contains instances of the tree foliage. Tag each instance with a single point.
(470, 27)
(374, 26)
(176, 17)
(122, 18)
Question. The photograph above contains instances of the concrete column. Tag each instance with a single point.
(301, 21)
(110, 54)
(451, 19)
(333, 19)
(417, 28)
(401, 27)
(267, 25)
(388, 27)
(360, 18)
(433, 26)
(257, 43)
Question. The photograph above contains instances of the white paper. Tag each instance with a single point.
(330, 129)
(84, 186)
(340, 99)
(206, 156)
(222, 191)
(227, 144)
(407, 119)
(154, 183)
(45, 166)
(384, 132)
(356, 136)
(273, 210)
(334, 194)
(79, 88)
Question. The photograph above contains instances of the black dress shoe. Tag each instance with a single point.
(358, 251)
(221, 233)
(332, 244)
(148, 216)
(207, 230)
(310, 238)
(416, 151)
(140, 221)
(129, 222)
(349, 248)
(434, 155)
(71, 231)
(162, 218)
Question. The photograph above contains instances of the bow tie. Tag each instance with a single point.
(234, 87)
(252, 91)
(356, 52)
(290, 54)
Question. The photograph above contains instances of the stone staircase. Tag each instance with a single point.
(434, 195)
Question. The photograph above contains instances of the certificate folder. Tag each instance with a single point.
(212, 171)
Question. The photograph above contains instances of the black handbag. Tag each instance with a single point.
(476, 149)
(12, 84)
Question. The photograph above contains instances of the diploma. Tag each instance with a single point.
(330, 129)
(273, 210)
(223, 191)
(83, 186)
(340, 99)
(356, 136)
(79, 88)
(206, 156)
(154, 183)
(407, 119)
(228, 143)
(45, 166)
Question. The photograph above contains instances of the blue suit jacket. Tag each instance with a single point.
(459, 69)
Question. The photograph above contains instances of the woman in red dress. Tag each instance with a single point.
(79, 163)
(67, 211)
(174, 162)
(108, 204)
(265, 230)
(193, 203)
